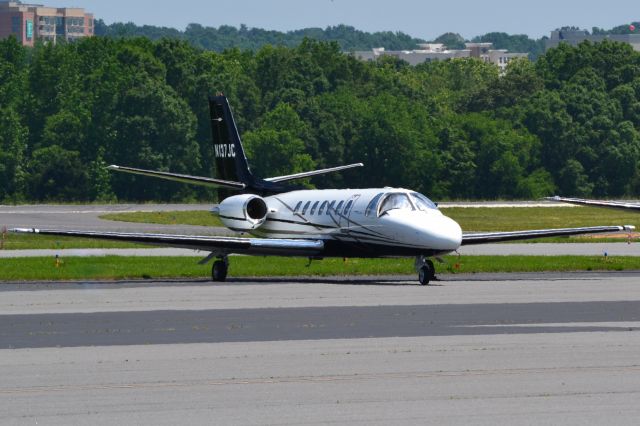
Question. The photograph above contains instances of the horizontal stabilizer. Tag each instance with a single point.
(195, 180)
(620, 205)
(313, 173)
(497, 237)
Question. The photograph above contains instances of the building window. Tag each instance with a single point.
(29, 30)
(16, 23)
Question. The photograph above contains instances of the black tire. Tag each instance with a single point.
(424, 275)
(219, 271)
(432, 269)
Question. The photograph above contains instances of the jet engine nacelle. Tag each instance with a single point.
(245, 212)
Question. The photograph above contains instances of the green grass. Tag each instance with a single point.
(116, 268)
(514, 219)
(199, 217)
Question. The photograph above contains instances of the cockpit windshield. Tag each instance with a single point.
(395, 202)
(423, 203)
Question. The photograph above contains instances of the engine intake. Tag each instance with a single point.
(243, 213)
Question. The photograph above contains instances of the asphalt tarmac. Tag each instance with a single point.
(473, 349)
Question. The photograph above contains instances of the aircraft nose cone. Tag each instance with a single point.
(447, 234)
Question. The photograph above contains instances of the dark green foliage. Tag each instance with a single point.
(228, 37)
(451, 40)
(454, 129)
(514, 43)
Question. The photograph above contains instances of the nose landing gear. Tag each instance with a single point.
(426, 270)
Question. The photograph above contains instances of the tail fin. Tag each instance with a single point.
(231, 160)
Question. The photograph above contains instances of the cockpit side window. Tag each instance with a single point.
(423, 203)
(297, 209)
(339, 207)
(372, 208)
(306, 207)
(395, 202)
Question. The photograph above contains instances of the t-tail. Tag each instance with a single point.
(232, 174)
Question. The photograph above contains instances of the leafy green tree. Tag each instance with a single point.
(56, 174)
(13, 146)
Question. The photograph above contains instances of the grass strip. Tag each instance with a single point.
(198, 218)
(514, 219)
(117, 268)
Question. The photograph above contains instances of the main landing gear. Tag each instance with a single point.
(426, 270)
(220, 269)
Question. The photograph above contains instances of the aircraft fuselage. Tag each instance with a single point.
(357, 223)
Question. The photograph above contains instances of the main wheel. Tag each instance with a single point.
(427, 272)
(219, 271)
(424, 275)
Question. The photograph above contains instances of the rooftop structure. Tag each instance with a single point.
(575, 37)
(31, 22)
(438, 52)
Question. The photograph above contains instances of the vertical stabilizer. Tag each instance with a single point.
(230, 159)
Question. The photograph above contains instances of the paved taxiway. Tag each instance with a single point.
(474, 349)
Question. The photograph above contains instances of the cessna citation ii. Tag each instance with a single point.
(292, 221)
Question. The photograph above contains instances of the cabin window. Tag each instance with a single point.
(347, 208)
(372, 208)
(339, 207)
(395, 202)
(297, 209)
(313, 209)
(423, 203)
(322, 207)
(333, 203)
(306, 207)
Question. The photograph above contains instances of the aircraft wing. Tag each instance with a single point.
(217, 245)
(597, 203)
(196, 180)
(497, 237)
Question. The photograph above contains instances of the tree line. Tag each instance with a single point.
(568, 123)
(348, 38)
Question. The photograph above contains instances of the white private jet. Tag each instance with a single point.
(289, 221)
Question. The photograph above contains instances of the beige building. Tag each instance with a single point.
(31, 22)
(575, 37)
(437, 52)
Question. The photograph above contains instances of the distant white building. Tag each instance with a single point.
(574, 37)
(438, 52)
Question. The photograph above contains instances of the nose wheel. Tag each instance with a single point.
(426, 270)
(220, 269)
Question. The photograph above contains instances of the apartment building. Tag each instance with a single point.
(31, 22)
